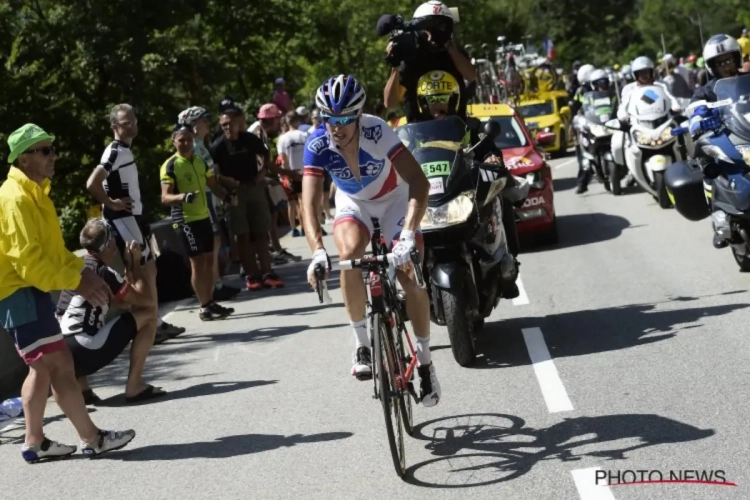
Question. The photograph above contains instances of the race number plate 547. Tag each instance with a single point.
(436, 168)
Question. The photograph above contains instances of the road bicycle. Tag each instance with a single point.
(394, 357)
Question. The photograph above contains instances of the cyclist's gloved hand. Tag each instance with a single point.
(319, 258)
(402, 249)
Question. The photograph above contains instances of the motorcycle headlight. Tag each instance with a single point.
(716, 152)
(535, 179)
(666, 135)
(598, 130)
(454, 212)
(645, 139)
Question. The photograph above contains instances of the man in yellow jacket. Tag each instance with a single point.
(33, 262)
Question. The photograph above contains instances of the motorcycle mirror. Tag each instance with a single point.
(485, 46)
(492, 129)
(613, 124)
(468, 47)
(501, 39)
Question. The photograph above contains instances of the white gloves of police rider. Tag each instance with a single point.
(402, 250)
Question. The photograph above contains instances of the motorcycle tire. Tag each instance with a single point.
(460, 327)
(742, 260)
(661, 190)
(615, 179)
(563, 145)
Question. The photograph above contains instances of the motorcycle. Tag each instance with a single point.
(595, 140)
(651, 147)
(467, 264)
(717, 182)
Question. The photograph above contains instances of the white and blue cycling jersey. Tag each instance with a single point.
(378, 146)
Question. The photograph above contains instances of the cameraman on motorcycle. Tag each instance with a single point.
(598, 80)
(436, 51)
(643, 72)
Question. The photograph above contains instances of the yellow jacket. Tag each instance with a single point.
(32, 251)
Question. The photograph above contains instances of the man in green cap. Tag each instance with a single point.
(33, 262)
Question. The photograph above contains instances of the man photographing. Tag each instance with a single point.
(435, 51)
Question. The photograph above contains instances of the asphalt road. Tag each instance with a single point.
(630, 353)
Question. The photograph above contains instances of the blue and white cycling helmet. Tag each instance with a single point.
(340, 95)
(718, 45)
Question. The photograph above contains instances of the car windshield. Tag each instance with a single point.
(448, 133)
(538, 109)
(733, 101)
(511, 132)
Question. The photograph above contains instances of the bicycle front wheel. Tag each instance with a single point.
(389, 393)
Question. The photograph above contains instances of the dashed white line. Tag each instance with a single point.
(552, 387)
(585, 480)
(216, 353)
(522, 298)
(566, 163)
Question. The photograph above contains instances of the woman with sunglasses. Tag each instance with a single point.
(376, 177)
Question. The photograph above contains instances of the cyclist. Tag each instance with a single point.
(386, 183)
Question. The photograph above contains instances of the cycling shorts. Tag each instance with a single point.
(197, 237)
(133, 228)
(91, 353)
(390, 213)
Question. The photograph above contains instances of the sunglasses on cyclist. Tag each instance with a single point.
(46, 151)
(341, 121)
(437, 99)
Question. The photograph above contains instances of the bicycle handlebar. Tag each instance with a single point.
(384, 261)
(320, 286)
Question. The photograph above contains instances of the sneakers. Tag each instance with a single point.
(362, 363)
(48, 450)
(271, 280)
(170, 331)
(253, 283)
(289, 256)
(296, 233)
(108, 441)
(214, 311)
(429, 387)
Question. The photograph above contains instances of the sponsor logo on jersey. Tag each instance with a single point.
(373, 168)
(342, 173)
(318, 145)
(373, 133)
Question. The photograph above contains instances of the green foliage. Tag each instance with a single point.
(64, 63)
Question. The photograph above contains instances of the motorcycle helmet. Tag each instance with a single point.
(599, 79)
(642, 63)
(717, 46)
(438, 87)
(584, 72)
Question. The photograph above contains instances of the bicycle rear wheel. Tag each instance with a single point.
(384, 359)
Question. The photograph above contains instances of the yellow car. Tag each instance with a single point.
(548, 112)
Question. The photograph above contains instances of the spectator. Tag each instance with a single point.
(280, 97)
(292, 149)
(93, 343)
(676, 78)
(114, 184)
(33, 262)
(184, 181)
(197, 118)
(744, 42)
(240, 156)
(315, 118)
(304, 118)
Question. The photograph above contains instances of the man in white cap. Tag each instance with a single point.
(304, 116)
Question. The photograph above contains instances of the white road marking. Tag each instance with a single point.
(552, 387)
(566, 163)
(167, 310)
(216, 353)
(586, 484)
(522, 298)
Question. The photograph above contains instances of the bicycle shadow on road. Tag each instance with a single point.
(482, 449)
(225, 447)
(590, 331)
(194, 391)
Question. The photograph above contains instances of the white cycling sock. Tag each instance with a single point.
(424, 356)
(360, 333)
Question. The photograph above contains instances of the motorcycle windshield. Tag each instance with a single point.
(598, 107)
(736, 112)
(435, 144)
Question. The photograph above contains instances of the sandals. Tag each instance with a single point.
(150, 392)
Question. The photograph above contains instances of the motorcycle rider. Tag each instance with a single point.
(575, 104)
(437, 53)
(643, 72)
(598, 81)
(722, 56)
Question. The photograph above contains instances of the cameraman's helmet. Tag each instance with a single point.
(437, 13)
(438, 87)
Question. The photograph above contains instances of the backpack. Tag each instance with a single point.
(172, 277)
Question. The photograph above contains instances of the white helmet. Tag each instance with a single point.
(719, 45)
(191, 115)
(584, 72)
(641, 63)
(433, 8)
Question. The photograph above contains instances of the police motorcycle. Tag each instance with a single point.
(468, 267)
(595, 139)
(716, 182)
(651, 147)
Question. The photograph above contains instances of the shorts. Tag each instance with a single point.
(91, 353)
(390, 212)
(252, 214)
(29, 316)
(133, 228)
(292, 188)
(197, 237)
